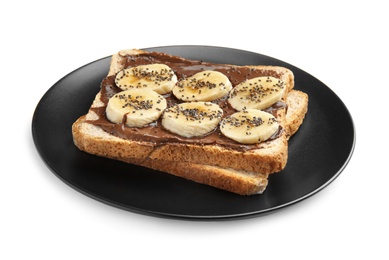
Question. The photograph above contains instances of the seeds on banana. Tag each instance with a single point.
(249, 126)
(258, 93)
(192, 119)
(135, 107)
(157, 77)
(203, 86)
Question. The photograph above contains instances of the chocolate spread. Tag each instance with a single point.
(155, 132)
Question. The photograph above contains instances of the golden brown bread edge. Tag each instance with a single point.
(228, 176)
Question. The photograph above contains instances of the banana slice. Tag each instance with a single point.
(206, 85)
(135, 107)
(157, 77)
(258, 93)
(249, 126)
(192, 119)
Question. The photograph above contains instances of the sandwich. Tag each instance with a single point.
(222, 125)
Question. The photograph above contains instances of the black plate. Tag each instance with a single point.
(318, 152)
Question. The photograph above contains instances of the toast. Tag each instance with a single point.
(242, 169)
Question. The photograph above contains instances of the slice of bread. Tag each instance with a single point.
(243, 171)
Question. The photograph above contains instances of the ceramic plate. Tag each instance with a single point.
(318, 152)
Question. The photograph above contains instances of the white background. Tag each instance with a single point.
(345, 45)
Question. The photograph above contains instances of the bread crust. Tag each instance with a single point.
(241, 172)
(297, 103)
(239, 182)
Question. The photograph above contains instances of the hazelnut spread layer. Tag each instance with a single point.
(154, 132)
